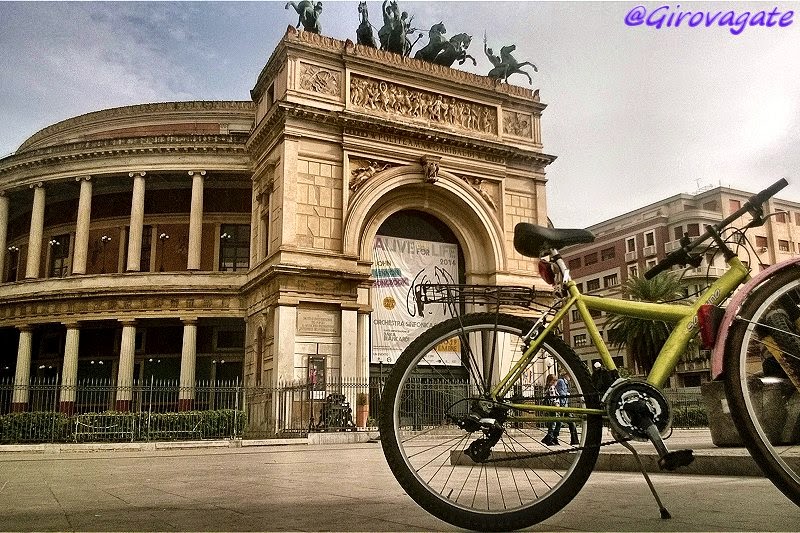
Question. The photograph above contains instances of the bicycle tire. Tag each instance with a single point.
(763, 396)
(425, 450)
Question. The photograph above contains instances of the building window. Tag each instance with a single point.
(761, 242)
(780, 216)
(574, 263)
(633, 271)
(710, 206)
(783, 246)
(797, 219)
(734, 205)
(650, 238)
(575, 315)
(630, 244)
(651, 263)
(593, 284)
(59, 256)
(13, 263)
(234, 247)
(579, 286)
(610, 280)
(579, 340)
(677, 232)
(594, 313)
(147, 239)
(590, 259)
(606, 254)
(693, 230)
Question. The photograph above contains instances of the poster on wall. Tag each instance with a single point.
(398, 266)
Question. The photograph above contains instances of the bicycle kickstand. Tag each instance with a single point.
(663, 510)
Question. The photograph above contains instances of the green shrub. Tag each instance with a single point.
(34, 427)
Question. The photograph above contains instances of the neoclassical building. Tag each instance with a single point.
(223, 240)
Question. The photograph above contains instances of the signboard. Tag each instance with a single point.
(398, 266)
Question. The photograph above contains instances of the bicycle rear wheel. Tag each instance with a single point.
(762, 379)
(471, 461)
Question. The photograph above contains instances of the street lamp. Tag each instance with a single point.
(162, 238)
(104, 240)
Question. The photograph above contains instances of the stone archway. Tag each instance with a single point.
(449, 199)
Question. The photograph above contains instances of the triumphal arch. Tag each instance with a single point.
(362, 159)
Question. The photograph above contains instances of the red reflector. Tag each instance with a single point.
(546, 271)
(708, 319)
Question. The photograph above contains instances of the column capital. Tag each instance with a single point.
(25, 327)
(83, 178)
(193, 172)
(127, 322)
(138, 173)
(37, 185)
(72, 324)
(189, 321)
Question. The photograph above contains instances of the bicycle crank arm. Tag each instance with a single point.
(667, 460)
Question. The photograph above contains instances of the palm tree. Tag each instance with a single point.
(643, 338)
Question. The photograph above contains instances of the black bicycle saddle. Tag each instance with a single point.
(534, 241)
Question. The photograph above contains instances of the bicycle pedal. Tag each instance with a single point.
(676, 459)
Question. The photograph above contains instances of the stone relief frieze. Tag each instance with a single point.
(319, 80)
(387, 97)
(517, 124)
(362, 170)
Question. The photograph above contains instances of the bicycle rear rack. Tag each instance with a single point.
(491, 295)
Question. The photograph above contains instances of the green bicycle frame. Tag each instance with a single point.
(683, 316)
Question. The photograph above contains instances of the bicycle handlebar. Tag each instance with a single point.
(681, 256)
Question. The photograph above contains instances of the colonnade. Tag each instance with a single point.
(81, 247)
(125, 372)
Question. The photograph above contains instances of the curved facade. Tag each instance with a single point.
(160, 240)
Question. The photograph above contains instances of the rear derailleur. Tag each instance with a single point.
(487, 417)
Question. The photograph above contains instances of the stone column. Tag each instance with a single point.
(81, 251)
(348, 363)
(196, 220)
(362, 350)
(188, 364)
(3, 230)
(36, 232)
(69, 376)
(22, 378)
(137, 222)
(127, 350)
(285, 324)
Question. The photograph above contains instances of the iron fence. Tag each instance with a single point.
(99, 410)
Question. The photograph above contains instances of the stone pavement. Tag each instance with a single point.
(334, 487)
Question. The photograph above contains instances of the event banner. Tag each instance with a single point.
(398, 266)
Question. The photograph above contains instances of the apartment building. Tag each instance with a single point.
(630, 244)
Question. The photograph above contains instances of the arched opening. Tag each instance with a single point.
(411, 247)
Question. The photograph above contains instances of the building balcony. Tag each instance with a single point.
(648, 251)
(630, 256)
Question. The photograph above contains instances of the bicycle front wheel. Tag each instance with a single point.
(762, 379)
(477, 462)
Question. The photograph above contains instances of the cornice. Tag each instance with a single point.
(117, 113)
(127, 146)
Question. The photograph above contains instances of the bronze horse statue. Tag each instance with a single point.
(508, 65)
(455, 50)
(308, 13)
(364, 33)
(436, 43)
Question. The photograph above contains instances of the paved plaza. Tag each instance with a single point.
(302, 487)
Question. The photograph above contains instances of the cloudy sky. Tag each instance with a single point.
(635, 113)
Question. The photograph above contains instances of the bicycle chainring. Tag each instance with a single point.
(619, 399)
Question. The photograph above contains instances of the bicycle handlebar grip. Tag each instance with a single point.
(769, 192)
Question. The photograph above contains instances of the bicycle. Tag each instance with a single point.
(465, 440)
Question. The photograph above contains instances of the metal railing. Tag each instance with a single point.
(162, 410)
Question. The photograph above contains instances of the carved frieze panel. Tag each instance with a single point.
(488, 190)
(319, 80)
(388, 97)
(517, 124)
